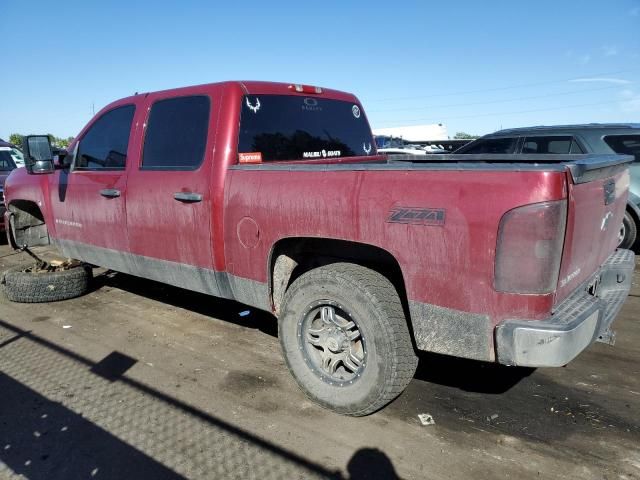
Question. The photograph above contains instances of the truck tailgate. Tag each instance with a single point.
(597, 197)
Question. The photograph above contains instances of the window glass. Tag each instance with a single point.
(176, 134)
(17, 156)
(625, 144)
(288, 127)
(105, 144)
(575, 147)
(6, 162)
(555, 144)
(491, 145)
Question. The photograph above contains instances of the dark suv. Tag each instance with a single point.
(623, 138)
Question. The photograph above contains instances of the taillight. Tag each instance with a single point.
(305, 88)
(529, 249)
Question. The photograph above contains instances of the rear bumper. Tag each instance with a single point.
(580, 320)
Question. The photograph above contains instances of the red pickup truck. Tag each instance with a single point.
(274, 195)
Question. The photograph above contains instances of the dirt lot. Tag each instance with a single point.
(140, 380)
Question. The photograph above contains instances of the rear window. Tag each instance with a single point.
(286, 127)
(491, 145)
(6, 162)
(625, 144)
(552, 144)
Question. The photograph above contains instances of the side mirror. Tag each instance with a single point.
(38, 158)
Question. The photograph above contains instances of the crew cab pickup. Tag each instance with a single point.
(274, 195)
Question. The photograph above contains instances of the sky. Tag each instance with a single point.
(472, 66)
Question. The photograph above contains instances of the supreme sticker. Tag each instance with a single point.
(250, 157)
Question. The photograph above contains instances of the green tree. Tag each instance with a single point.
(16, 139)
(63, 142)
(465, 136)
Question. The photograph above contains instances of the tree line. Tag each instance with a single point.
(60, 142)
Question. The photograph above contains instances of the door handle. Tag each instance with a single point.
(187, 197)
(110, 193)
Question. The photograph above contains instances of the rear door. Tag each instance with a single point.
(88, 199)
(169, 198)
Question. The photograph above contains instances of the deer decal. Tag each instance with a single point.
(253, 108)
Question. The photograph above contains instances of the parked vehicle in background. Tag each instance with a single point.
(6, 166)
(620, 138)
(274, 195)
(389, 145)
(14, 151)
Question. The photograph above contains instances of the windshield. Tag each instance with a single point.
(6, 161)
(287, 127)
(17, 156)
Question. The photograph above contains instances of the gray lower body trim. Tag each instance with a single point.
(203, 280)
(579, 321)
(451, 332)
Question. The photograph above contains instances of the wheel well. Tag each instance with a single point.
(291, 257)
(27, 225)
(634, 214)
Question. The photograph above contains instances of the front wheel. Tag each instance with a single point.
(345, 338)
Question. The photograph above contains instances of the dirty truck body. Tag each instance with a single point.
(497, 258)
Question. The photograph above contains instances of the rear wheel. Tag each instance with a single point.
(628, 232)
(345, 338)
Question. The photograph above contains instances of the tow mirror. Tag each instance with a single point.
(38, 158)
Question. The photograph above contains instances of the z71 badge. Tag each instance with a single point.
(417, 216)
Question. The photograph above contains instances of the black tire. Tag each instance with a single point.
(36, 287)
(629, 231)
(372, 303)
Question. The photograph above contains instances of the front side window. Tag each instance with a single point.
(625, 145)
(104, 146)
(288, 127)
(176, 136)
(491, 145)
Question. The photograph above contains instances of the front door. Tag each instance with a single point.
(88, 199)
(168, 193)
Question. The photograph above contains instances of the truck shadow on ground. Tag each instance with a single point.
(219, 308)
(462, 394)
(63, 416)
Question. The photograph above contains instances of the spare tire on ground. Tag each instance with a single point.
(28, 284)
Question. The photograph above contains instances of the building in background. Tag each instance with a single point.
(415, 133)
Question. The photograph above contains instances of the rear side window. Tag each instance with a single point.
(625, 144)
(104, 146)
(553, 144)
(287, 127)
(176, 135)
(491, 145)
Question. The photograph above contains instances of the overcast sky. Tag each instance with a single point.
(474, 66)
